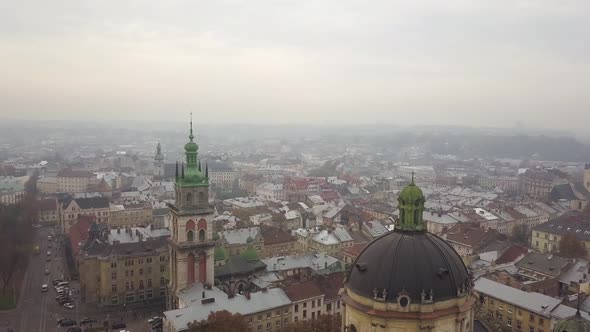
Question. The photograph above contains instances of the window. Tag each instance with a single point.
(329, 307)
(114, 288)
(114, 275)
(304, 313)
(140, 261)
(268, 314)
(278, 312)
(297, 308)
(149, 283)
(141, 284)
(531, 329)
(190, 236)
(162, 281)
(127, 285)
(149, 269)
(499, 316)
(313, 303)
(268, 326)
(286, 321)
(149, 294)
(312, 315)
(126, 273)
(509, 321)
(162, 268)
(202, 235)
(259, 327)
(259, 317)
(113, 265)
(115, 300)
(518, 325)
(250, 319)
(140, 272)
(319, 302)
(278, 323)
(499, 306)
(531, 318)
(131, 273)
(132, 285)
(148, 260)
(305, 304)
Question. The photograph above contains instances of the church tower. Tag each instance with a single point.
(158, 163)
(191, 244)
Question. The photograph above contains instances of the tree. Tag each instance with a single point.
(220, 321)
(571, 247)
(521, 234)
(323, 323)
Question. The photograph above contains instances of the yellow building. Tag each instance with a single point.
(129, 215)
(132, 266)
(69, 181)
(545, 237)
(408, 279)
(511, 309)
(329, 241)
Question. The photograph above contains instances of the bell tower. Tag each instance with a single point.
(191, 244)
(158, 163)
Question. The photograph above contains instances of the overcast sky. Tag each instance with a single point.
(463, 62)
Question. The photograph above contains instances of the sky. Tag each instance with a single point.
(452, 62)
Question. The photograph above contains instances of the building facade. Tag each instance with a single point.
(128, 215)
(191, 246)
(69, 181)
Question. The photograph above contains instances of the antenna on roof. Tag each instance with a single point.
(412, 172)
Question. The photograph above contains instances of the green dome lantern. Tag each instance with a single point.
(411, 207)
(191, 171)
(575, 323)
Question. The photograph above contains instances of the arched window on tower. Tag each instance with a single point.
(202, 235)
(190, 230)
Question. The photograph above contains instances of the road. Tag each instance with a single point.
(39, 312)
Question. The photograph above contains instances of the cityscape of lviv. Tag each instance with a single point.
(295, 166)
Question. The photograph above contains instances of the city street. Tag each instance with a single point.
(39, 312)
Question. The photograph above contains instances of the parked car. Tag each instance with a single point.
(87, 320)
(118, 325)
(44, 288)
(154, 319)
(69, 305)
(56, 281)
(67, 322)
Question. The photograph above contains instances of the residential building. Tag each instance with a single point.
(47, 185)
(349, 254)
(70, 181)
(221, 174)
(12, 189)
(506, 183)
(467, 238)
(236, 241)
(131, 265)
(330, 241)
(128, 215)
(516, 310)
(271, 191)
(48, 211)
(302, 266)
(277, 242)
(265, 310)
(536, 183)
(546, 237)
(536, 266)
(94, 206)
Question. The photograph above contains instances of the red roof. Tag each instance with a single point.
(303, 290)
(354, 250)
(47, 204)
(79, 232)
(273, 235)
(511, 254)
(74, 174)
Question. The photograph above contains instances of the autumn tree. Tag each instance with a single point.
(16, 234)
(220, 321)
(571, 247)
(323, 323)
(521, 234)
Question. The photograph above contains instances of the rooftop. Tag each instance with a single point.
(242, 304)
(136, 234)
(550, 265)
(240, 236)
(534, 302)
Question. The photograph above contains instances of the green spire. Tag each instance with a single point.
(219, 254)
(193, 177)
(250, 254)
(411, 206)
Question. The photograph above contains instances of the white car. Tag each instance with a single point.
(69, 305)
(44, 288)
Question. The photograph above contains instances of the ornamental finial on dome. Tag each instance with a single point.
(191, 136)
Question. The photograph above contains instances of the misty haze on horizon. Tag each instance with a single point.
(465, 63)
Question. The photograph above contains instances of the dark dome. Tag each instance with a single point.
(576, 323)
(409, 262)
